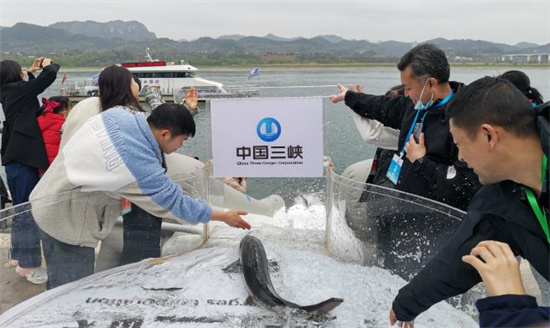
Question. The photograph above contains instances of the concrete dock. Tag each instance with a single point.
(14, 289)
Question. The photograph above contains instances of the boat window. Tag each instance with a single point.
(165, 75)
(143, 75)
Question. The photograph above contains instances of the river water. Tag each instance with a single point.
(342, 141)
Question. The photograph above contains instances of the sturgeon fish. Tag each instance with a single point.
(254, 263)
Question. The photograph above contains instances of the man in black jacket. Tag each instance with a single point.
(498, 135)
(427, 163)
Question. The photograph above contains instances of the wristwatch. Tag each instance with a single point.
(418, 163)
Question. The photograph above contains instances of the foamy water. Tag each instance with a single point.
(191, 290)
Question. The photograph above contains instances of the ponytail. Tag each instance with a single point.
(534, 95)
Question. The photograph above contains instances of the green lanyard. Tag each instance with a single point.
(533, 201)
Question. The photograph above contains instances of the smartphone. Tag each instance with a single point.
(417, 131)
(41, 63)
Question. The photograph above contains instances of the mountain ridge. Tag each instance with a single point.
(129, 31)
(127, 41)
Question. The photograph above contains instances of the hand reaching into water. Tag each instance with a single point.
(231, 218)
(400, 324)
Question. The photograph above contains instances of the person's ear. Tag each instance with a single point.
(432, 83)
(164, 134)
(490, 134)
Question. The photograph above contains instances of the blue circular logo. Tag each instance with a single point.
(268, 129)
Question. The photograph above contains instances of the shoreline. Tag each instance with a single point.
(301, 67)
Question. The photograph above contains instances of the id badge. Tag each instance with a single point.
(395, 169)
(125, 206)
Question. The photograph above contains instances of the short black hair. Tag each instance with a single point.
(173, 117)
(426, 60)
(496, 101)
(10, 71)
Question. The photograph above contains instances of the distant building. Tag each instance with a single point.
(541, 58)
(463, 59)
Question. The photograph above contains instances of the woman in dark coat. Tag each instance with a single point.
(23, 153)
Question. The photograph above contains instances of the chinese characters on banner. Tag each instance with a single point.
(267, 137)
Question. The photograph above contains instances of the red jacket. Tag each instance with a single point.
(50, 125)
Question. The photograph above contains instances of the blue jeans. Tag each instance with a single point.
(25, 236)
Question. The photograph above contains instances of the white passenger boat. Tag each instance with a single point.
(174, 77)
(174, 80)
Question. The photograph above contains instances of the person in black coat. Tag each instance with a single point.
(4, 198)
(430, 167)
(23, 151)
(505, 141)
(426, 162)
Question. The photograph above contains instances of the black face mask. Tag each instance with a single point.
(543, 125)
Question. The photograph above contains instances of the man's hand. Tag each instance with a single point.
(339, 97)
(359, 88)
(498, 267)
(191, 98)
(231, 218)
(415, 150)
(400, 324)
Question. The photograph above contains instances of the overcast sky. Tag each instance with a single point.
(497, 21)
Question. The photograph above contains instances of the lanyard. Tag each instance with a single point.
(439, 104)
(535, 205)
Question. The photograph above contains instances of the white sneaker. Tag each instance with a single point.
(38, 276)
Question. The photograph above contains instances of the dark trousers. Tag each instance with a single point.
(3, 200)
(141, 236)
(66, 263)
(25, 235)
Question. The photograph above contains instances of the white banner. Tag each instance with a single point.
(267, 137)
